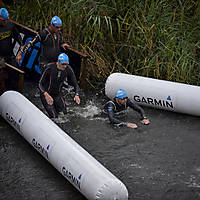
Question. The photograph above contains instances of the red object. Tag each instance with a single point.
(3, 86)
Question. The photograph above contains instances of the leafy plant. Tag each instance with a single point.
(154, 38)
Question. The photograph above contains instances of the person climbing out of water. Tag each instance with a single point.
(51, 40)
(120, 103)
(51, 83)
(8, 31)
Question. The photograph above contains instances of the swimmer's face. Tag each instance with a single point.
(3, 21)
(122, 101)
(57, 29)
(62, 66)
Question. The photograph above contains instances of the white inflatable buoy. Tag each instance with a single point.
(172, 96)
(93, 180)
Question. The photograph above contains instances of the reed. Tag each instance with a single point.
(153, 38)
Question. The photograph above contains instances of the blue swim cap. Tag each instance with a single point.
(120, 94)
(56, 21)
(4, 13)
(63, 58)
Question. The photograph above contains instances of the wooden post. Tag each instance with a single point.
(20, 81)
(21, 76)
(83, 73)
(3, 77)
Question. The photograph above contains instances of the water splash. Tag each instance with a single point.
(62, 118)
(89, 111)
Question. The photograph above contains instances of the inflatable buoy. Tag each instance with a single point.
(171, 96)
(86, 174)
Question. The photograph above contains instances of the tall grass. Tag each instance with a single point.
(153, 38)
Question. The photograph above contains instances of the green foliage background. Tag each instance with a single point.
(152, 38)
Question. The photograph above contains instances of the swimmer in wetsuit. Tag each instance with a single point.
(51, 83)
(120, 103)
(52, 44)
(8, 31)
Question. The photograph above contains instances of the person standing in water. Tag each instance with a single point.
(51, 84)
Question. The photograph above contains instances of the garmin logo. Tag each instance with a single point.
(12, 121)
(155, 102)
(71, 177)
(40, 148)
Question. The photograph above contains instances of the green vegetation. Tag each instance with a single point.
(153, 38)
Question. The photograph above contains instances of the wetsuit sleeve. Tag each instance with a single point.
(111, 114)
(17, 36)
(41, 35)
(44, 80)
(137, 108)
(71, 76)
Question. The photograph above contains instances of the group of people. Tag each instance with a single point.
(53, 64)
(55, 68)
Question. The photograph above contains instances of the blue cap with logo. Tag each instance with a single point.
(56, 21)
(4, 13)
(120, 94)
(63, 58)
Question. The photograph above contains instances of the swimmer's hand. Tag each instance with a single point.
(77, 99)
(131, 125)
(48, 98)
(145, 121)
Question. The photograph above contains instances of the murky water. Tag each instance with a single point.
(160, 161)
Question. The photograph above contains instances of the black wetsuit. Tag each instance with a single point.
(113, 109)
(50, 46)
(7, 32)
(52, 81)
